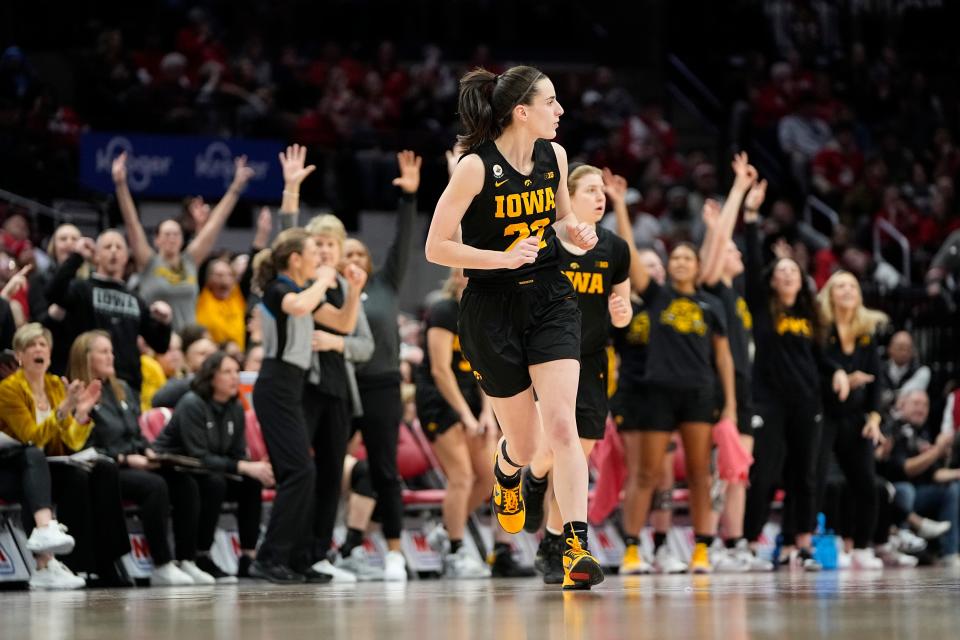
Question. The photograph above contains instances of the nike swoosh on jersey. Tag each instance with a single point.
(500, 183)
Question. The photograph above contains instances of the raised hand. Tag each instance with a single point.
(710, 212)
(86, 248)
(16, 282)
(88, 397)
(409, 179)
(745, 174)
(264, 228)
(241, 173)
(118, 170)
(326, 276)
(614, 186)
(355, 276)
(161, 312)
(292, 161)
(584, 236)
(755, 196)
(782, 249)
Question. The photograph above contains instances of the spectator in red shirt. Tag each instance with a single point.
(837, 166)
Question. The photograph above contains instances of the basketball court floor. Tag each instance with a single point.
(922, 603)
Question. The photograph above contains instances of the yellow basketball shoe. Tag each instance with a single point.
(508, 503)
(580, 569)
(700, 561)
(634, 563)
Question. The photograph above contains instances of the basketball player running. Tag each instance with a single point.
(519, 321)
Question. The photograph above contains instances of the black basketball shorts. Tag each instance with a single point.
(592, 403)
(507, 325)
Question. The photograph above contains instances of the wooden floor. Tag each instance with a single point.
(922, 603)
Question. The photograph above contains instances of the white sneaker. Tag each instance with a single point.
(438, 539)
(844, 560)
(950, 561)
(749, 558)
(907, 541)
(341, 576)
(464, 565)
(55, 577)
(359, 565)
(170, 575)
(664, 561)
(51, 538)
(199, 576)
(932, 529)
(865, 560)
(893, 557)
(395, 567)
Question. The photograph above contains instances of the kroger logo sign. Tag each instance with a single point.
(217, 162)
(141, 169)
(177, 166)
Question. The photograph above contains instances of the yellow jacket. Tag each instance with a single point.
(18, 416)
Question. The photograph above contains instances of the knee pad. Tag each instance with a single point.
(662, 500)
(360, 480)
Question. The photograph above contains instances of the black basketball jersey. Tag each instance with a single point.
(512, 206)
(593, 275)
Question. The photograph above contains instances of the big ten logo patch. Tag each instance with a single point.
(7, 568)
(140, 552)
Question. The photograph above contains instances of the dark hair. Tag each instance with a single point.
(191, 333)
(486, 101)
(179, 223)
(806, 303)
(269, 262)
(202, 383)
(686, 245)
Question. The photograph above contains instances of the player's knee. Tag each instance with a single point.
(645, 478)
(460, 480)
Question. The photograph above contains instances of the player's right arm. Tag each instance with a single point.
(443, 245)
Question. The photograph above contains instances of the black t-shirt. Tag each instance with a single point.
(512, 206)
(593, 276)
(866, 358)
(739, 326)
(680, 354)
(331, 364)
(631, 343)
(443, 315)
(285, 337)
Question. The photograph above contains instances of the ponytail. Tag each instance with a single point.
(270, 262)
(263, 271)
(486, 102)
